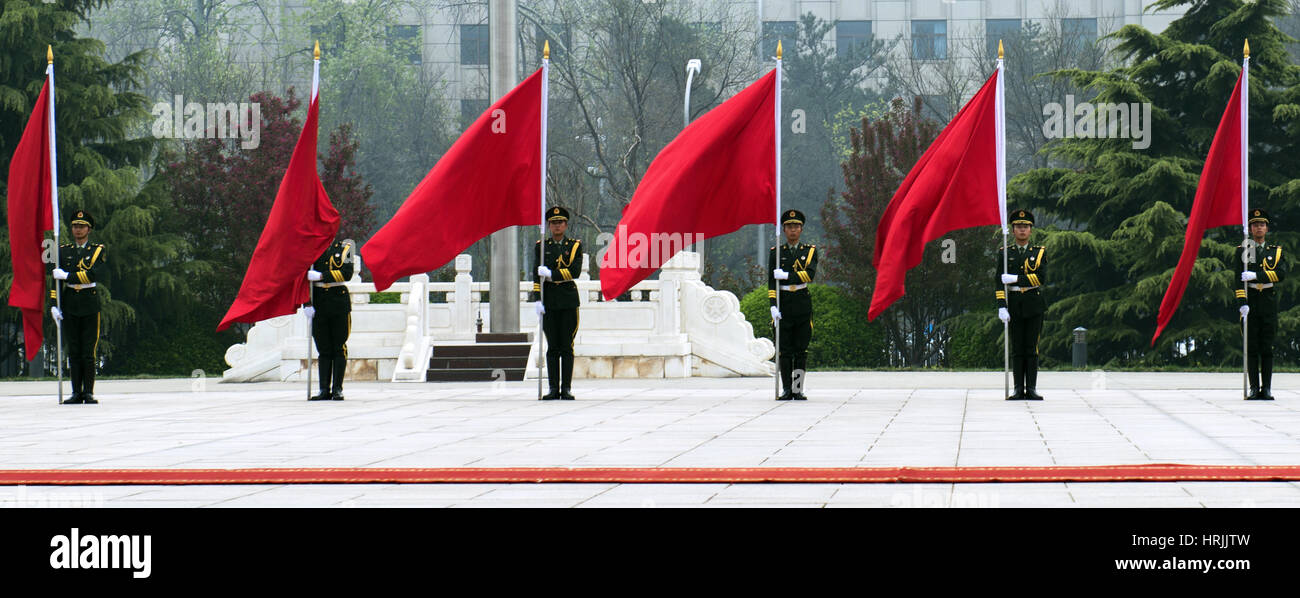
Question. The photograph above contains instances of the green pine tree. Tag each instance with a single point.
(1117, 220)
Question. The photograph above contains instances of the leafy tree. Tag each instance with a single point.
(223, 194)
(917, 327)
(1130, 204)
(99, 162)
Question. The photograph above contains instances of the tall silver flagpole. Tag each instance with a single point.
(777, 224)
(54, 200)
(1001, 119)
(315, 89)
(541, 246)
(1248, 249)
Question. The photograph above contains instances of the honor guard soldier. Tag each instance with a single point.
(791, 267)
(559, 262)
(331, 317)
(1020, 302)
(1258, 305)
(80, 270)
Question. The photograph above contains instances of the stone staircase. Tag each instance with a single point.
(493, 356)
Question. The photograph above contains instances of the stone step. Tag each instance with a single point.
(503, 337)
(483, 350)
(473, 375)
(456, 363)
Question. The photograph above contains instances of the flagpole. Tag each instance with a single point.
(315, 89)
(777, 223)
(1001, 124)
(54, 201)
(541, 246)
(1245, 209)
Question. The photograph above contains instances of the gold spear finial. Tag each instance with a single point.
(778, 49)
(999, 49)
(546, 50)
(49, 54)
(1247, 49)
(316, 53)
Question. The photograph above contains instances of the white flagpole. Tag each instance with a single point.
(1245, 206)
(776, 324)
(54, 201)
(541, 247)
(315, 89)
(1001, 119)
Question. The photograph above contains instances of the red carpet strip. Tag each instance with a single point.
(654, 475)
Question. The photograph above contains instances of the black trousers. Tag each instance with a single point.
(1261, 330)
(560, 326)
(331, 334)
(796, 333)
(1024, 332)
(83, 338)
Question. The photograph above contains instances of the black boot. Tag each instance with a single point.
(800, 363)
(1017, 379)
(88, 384)
(566, 377)
(1031, 379)
(1265, 377)
(324, 367)
(1253, 377)
(74, 374)
(552, 377)
(787, 374)
(340, 368)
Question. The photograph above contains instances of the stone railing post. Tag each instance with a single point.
(463, 309)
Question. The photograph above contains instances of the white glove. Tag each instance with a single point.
(313, 275)
(60, 274)
(541, 309)
(1245, 309)
(776, 313)
(1010, 279)
(1004, 315)
(544, 272)
(1247, 276)
(309, 311)
(56, 314)
(780, 274)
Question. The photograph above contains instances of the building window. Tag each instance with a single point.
(470, 110)
(930, 40)
(1007, 30)
(404, 41)
(1079, 34)
(474, 46)
(774, 31)
(559, 36)
(852, 37)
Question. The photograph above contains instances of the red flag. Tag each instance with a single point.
(488, 180)
(30, 215)
(954, 185)
(1218, 202)
(718, 175)
(302, 224)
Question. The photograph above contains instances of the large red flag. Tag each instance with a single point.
(302, 224)
(1218, 201)
(954, 185)
(488, 180)
(30, 215)
(718, 175)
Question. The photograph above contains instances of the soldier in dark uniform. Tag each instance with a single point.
(1258, 307)
(81, 269)
(793, 271)
(331, 317)
(559, 262)
(1024, 306)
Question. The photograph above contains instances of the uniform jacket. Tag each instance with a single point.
(335, 266)
(565, 260)
(84, 265)
(1269, 265)
(801, 263)
(1029, 264)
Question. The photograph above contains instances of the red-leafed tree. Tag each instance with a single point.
(223, 193)
(956, 273)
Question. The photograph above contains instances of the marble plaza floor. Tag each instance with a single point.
(854, 419)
